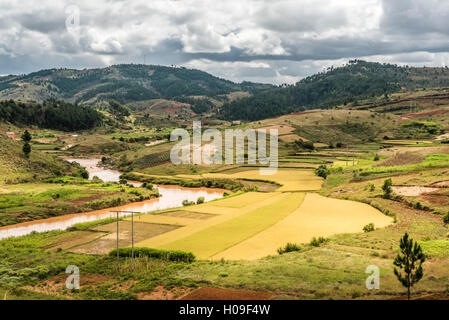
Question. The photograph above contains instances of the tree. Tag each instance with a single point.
(410, 259)
(387, 188)
(26, 149)
(26, 136)
(322, 171)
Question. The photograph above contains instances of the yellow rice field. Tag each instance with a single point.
(160, 219)
(317, 216)
(242, 200)
(254, 224)
(225, 215)
(219, 237)
(291, 179)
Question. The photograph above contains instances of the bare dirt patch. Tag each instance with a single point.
(290, 137)
(82, 200)
(442, 137)
(413, 191)
(423, 114)
(161, 293)
(56, 286)
(76, 239)
(439, 198)
(402, 159)
(142, 231)
(207, 293)
(440, 184)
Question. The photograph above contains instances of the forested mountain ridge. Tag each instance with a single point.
(124, 83)
(336, 86)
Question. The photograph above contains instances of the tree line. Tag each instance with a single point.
(52, 114)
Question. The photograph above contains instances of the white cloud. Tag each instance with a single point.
(290, 38)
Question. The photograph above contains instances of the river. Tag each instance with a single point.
(171, 197)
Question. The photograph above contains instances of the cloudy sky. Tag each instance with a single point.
(257, 40)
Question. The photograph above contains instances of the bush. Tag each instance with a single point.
(187, 203)
(322, 171)
(200, 200)
(387, 188)
(446, 219)
(376, 157)
(289, 247)
(369, 227)
(316, 242)
(168, 255)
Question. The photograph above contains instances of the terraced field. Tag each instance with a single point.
(317, 216)
(255, 224)
(291, 179)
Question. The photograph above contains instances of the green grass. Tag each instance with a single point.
(435, 248)
(432, 161)
(33, 201)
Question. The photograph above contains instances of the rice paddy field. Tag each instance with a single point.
(291, 180)
(255, 224)
(236, 239)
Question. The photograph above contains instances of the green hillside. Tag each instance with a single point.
(358, 80)
(124, 83)
(16, 168)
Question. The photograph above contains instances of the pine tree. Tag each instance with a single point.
(26, 136)
(26, 149)
(410, 260)
(387, 188)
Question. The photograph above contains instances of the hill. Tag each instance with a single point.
(124, 83)
(16, 168)
(358, 80)
(50, 114)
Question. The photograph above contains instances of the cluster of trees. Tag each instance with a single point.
(199, 106)
(52, 114)
(119, 110)
(355, 81)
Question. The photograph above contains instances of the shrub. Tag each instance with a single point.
(289, 247)
(168, 255)
(200, 200)
(369, 227)
(187, 203)
(446, 219)
(376, 157)
(322, 171)
(387, 188)
(316, 242)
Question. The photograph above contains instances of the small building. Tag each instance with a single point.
(11, 134)
(236, 122)
(74, 136)
(61, 138)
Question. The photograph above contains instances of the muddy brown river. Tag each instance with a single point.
(171, 197)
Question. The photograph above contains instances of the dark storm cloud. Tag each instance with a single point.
(269, 41)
